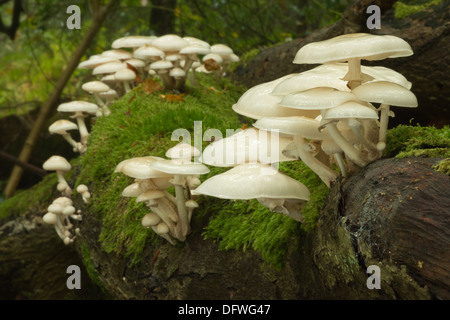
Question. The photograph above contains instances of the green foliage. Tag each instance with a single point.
(412, 141)
(406, 8)
(30, 199)
(443, 166)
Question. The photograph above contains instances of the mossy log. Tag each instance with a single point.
(393, 214)
(426, 31)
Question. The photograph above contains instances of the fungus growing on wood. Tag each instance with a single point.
(61, 127)
(60, 165)
(256, 181)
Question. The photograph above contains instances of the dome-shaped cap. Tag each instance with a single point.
(250, 181)
(258, 102)
(95, 86)
(249, 145)
(306, 127)
(140, 168)
(170, 43)
(132, 41)
(350, 110)
(182, 151)
(118, 54)
(56, 163)
(386, 93)
(78, 106)
(317, 99)
(175, 167)
(354, 45)
(61, 126)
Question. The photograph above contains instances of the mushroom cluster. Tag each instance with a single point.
(333, 117)
(170, 214)
(170, 57)
(58, 214)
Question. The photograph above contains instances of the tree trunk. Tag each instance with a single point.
(50, 104)
(428, 33)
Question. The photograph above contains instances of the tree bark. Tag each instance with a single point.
(393, 214)
(428, 33)
(51, 102)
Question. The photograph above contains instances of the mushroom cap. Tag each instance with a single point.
(161, 65)
(387, 93)
(177, 73)
(221, 49)
(170, 43)
(317, 99)
(132, 41)
(111, 93)
(78, 106)
(176, 167)
(61, 126)
(95, 61)
(64, 201)
(182, 151)
(135, 62)
(162, 228)
(50, 218)
(57, 163)
(249, 145)
(350, 109)
(118, 54)
(82, 188)
(197, 42)
(148, 53)
(258, 102)
(326, 75)
(195, 49)
(109, 67)
(191, 204)
(150, 195)
(150, 219)
(95, 86)
(252, 180)
(354, 45)
(124, 74)
(214, 56)
(384, 74)
(140, 168)
(306, 127)
(132, 190)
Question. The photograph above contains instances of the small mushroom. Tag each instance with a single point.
(84, 191)
(60, 165)
(61, 127)
(79, 108)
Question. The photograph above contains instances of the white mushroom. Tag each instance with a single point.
(60, 165)
(61, 127)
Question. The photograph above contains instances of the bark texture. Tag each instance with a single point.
(428, 33)
(393, 214)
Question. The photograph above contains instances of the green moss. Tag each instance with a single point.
(443, 166)
(413, 141)
(35, 198)
(90, 268)
(407, 8)
(142, 125)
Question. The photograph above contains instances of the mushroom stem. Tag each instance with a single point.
(126, 86)
(353, 75)
(353, 154)
(84, 133)
(181, 205)
(341, 164)
(384, 119)
(164, 218)
(70, 140)
(358, 131)
(325, 174)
